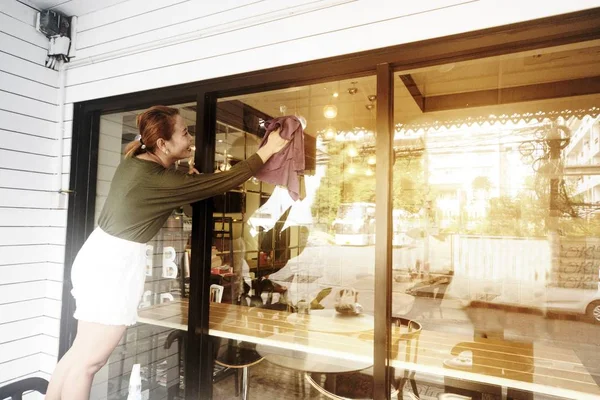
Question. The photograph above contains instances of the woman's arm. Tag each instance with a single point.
(174, 188)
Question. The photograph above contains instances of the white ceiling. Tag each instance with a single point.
(71, 7)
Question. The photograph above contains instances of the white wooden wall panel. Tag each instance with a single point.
(22, 49)
(18, 368)
(29, 263)
(27, 199)
(78, 7)
(22, 292)
(27, 69)
(53, 290)
(176, 20)
(27, 347)
(27, 88)
(10, 159)
(33, 217)
(12, 274)
(28, 106)
(21, 31)
(25, 124)
(48, 359)
(120, 12)
(32, 228)
(28, 143)
(52, 307)
(27, 236)
(20, 329)
(24, 180)
(18, 11)
(337, 30)
(68, 129)
(10, 255)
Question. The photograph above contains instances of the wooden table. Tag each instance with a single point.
(331, 321)
(532, 367)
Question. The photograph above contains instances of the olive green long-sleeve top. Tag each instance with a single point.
(143, 194)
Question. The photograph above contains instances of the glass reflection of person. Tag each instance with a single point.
(109, 271)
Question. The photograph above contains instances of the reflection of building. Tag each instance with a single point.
(582, 155)
(468, 166)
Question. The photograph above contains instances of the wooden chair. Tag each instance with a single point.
(16, 390)
(359, 385)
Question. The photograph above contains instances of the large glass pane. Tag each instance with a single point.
(296, 313)
(156, 341)
(496, 229)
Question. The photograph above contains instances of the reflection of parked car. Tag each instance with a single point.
(545, 298)
(580, 301)
(518, 272)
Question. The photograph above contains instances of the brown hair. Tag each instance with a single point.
(154, 123)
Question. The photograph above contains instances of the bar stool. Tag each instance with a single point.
(359, 385)
(238, 355)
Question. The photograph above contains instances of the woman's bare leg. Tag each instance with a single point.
(73, 376)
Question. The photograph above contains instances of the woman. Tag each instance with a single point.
(109, 271)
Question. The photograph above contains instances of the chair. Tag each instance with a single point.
(16, 390)
(216, 293)
(429, 296)
(359, 385)
(238, 355)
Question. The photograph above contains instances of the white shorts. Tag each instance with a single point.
(108, 277)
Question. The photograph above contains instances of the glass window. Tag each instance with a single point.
(496, 229)
(296, 276)
(156, 341)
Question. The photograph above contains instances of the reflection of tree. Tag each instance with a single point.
(347, 180)
(482, 183)
(409, 182)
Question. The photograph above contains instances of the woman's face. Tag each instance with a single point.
(180, 144)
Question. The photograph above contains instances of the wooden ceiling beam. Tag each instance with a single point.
(413, 89)
(517, 94)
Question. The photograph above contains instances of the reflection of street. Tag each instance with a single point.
(346, 266)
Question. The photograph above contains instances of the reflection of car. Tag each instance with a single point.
(544, 298)
(580, 301)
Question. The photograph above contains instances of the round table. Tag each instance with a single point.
(308, 362)
(331, 321)
(312, 363)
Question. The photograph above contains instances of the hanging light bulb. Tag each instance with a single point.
(371, 160)
(369, 172)
(330, 133)
(352, 152)
(330, 111)
(351, 169)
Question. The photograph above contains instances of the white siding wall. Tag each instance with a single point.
(32, 213)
